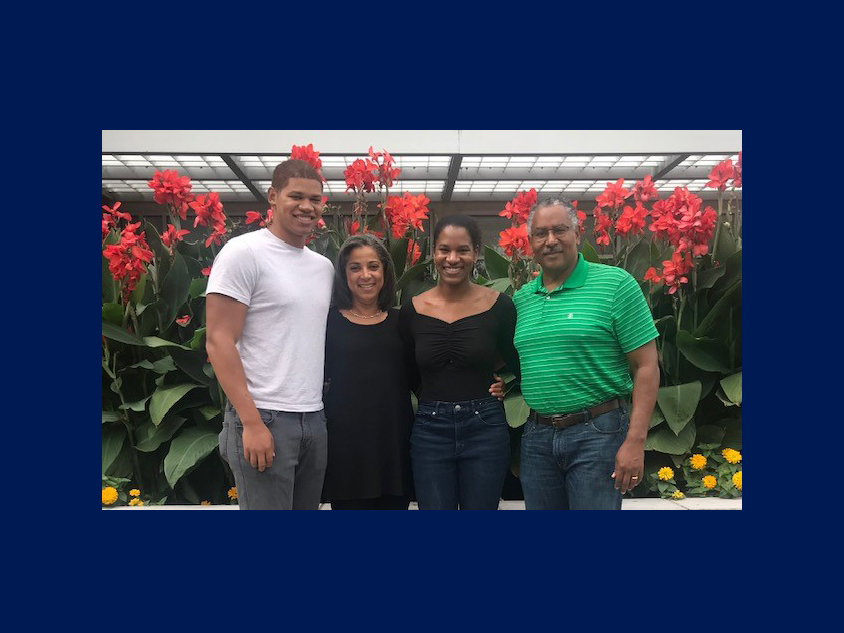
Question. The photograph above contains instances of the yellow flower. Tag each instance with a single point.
(134, 492)
(697, 461)
(737, 480)
(136, 502)
(205, 503)
(678, 495)
(665, 473)
(709, 482)
(109, 495)
(232, 493)
(734, 457)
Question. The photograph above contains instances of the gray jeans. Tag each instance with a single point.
(294, 481)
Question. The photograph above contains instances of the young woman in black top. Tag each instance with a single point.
(458, 332)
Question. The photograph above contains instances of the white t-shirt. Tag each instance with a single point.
(288, 291)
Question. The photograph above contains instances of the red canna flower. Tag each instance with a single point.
(173, 190)
(413, 252)
(515, 241)
(183, 321)
(386, 172)
(674, 271)
(645, 190)
(518, 209)
(206, 271)
(614, 194)
(720, 174)
(171, 236)
(209, 212)
(126, 259)
(406, 212)
(632, 220)
(254, 216)
(603, 222)
(117, 215)
(361, 175)
(737, 173)
(650, 275)
(581, 219)
(307, 154)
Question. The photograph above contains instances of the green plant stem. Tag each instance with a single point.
(694, 282)
(718, 226)
(126, 422)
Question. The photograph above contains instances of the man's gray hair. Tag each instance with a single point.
(553, 202)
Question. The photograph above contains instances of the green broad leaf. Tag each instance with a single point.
(709, 434)
(192, 363)
(145, 364)
(656, 418)
(161, 366)
(138, 406)
(412, 273)
(113, 313)
(149, 437)
(707, 278)
(398, 253)
(704, 353)
(663, 323)
(639, 260)
(108, 283)
(720, 309)
(196, 341)
(154, 341)
(501, 285)
(115, 333)
(516, 409)
(164, 398)
(664, 440)
(186, 451)
(725, 247)
(733, 274)
(113, 438)
(197, 287)
(482, 281)
(678, 404)
(732, 388)
(723, 398)
(174, 290)
(589, 253)
(497, 266)
(154, 240)
(112, 416)
(209, 413)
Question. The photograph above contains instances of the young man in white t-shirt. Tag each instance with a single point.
(266, 309)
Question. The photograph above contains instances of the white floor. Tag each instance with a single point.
(708, 503)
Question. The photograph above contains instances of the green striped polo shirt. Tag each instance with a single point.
(573, 342)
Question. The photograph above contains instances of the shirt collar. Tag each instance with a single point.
(575, 280)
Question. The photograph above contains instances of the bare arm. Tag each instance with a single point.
(630, 459)
(224, 321)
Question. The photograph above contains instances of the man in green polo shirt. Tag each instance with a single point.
(586, 341)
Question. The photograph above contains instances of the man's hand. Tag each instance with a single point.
(258, 445)
(629, 465)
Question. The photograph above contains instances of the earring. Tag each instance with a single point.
(434, 274)
(475, 271)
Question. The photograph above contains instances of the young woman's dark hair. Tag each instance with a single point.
(464, 222)
(342, 295)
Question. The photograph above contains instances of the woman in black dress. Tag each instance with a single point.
(367, 402)
(458, 332)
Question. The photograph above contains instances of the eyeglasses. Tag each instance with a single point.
(558, 231)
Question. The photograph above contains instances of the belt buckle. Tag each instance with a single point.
(558, 419)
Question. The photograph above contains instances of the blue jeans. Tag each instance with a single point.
(571, 468)
(460, 452)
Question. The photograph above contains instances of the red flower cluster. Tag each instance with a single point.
(254, 216)
(354, 227)
(674, 271)
(515, 241)
(581, 216)
(111, 216)
(361, 176)
(602, 224)
(737, 173)
(309, 155)
(720, 175)
(387, 174)
(171, 236)
(645, 190)
(519, 207)
(172, 189)
(183, 321)
(406, 212)
(614, 195)
(632, 220)
(679, 220)
(209, 212)
(127, 259)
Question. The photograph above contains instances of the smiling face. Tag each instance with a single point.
(554, 239)
(296, 210)
(365, 275)
(454, 255)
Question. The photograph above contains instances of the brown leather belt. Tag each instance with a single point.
(562, 421)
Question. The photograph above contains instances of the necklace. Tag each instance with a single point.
(361, 316)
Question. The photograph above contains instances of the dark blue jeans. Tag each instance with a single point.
(460, 452)
(571, 468)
